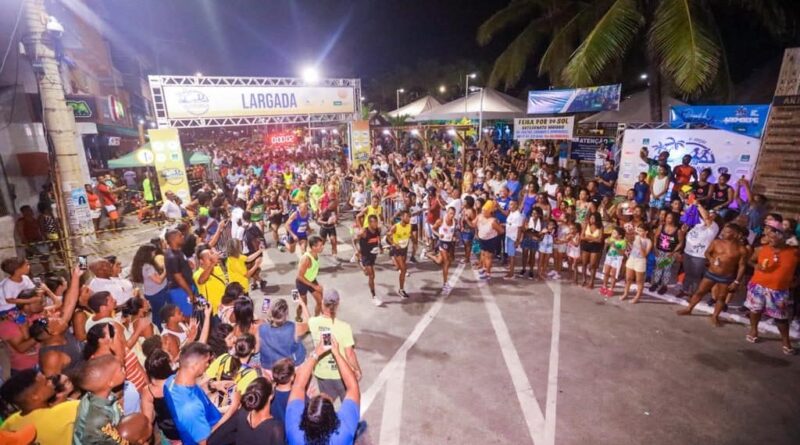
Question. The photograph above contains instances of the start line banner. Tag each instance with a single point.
(551, 128)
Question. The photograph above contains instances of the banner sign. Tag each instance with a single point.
(168, 161)
(577, 100)
(719, 150)
(361, 148)
(553, 128)
(286, 138)
(213, 101)
(596, 129)
(84, 108)
(585, 148)
(748, 120)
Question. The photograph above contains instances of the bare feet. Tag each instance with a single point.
(715, 322)
(634, 301)
(623, 297)
(684, 312)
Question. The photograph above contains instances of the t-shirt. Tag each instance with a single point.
(176, 262)
(52, 424)
(237, 270)
(9, 330)
(119, 288)
(237, 430)
(171, 210)
(11, 289)
(502, 204)
(147, 190)
(640, 191)
(699, 238)
(96, 421)
(150, 286)
(192, 411)
(213, 288)
(326, 367)
(348, 415)
(514, 221)
(606, 175)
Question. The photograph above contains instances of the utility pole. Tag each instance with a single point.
(60, 129)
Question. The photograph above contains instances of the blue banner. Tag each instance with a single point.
(748, 120)
(577, 100)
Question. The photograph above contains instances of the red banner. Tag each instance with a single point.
(280, 139)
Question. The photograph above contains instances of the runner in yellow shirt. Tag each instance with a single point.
(398, 237)
(373, 209)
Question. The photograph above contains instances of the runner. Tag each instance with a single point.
(274, 214)
(467, 227)
(489, 231)
(297, 228)
(445, 230)
(398, 238)
(328, 217)
(369, 244)
(415, 210)
(307, 272)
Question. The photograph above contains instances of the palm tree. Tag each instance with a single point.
(680, 40)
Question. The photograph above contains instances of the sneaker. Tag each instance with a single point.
(556, 276)
(662, 290)
(603, 291)
(521, 274)
(403, 293)
(413, 259)
(377, 302)
(423, 253)
(354, 258)
(446, 289)
(653, 288)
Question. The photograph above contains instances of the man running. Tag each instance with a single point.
(445, 228)
(327, 222)
(369, 244)
(307, 271)
(398, 237)
(297, 228)
(727, 261)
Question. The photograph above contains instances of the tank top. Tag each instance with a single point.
(780, 265)
(371, 211)
(485, 229)
(313, 270)
(180, 335)
(164, 418)
(660, 184)
(91, 323)
(257, 211)
(300, 224)
(402, 233)
(667, 242)
(446, 232)
(71, 348)
(719, 195)
(369, 244)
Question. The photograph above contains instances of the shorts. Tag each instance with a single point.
(368, 259)
(638, 265)
(300, 237)
(530, 244)
(399, 251)
(490, 245)
(775, 303)
(573, 252)
(332, 387)
(560, 248)
(614, 262)
(112, 212)
(591, 247)
(546, 248)
(467, 237)
(95, 213)
(511, 246)
(414, 227)
(658, 203)
(326, 232)
(447, 246)
(275, 220)
(719, 279)
(304, 289)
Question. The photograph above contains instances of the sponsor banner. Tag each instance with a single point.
(748, 120)
(84, 108)
(596, 129)
(553, 128)
(719, 150)
(361, 147)
(577, 100)
(210, 101)
(585, 148)
(286, 138)
(168, 161)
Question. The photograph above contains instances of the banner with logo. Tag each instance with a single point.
(585, 148)
(720, 150)
(359, 140)
(553, 128)
(168, 161)
(576, 100)
(213, 101)
(748, 120)
(281, 139)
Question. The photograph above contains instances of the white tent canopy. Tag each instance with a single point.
(634, 108)
(496, 105)
(412, 109)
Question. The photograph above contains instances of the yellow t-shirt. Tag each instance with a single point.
(401, 235)
(326, 367)
(243, 377)
(214, 288)
(237, 271)
(371, 211)
(53, 425)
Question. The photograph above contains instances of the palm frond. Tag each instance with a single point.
(510, 65)
(687, 48)
(608, 40)
(561, 46)
(516, 12)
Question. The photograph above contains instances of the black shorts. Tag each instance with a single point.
(325, 232)
(414, 227)
(586, 246)
(490, 245)
(275, 220)
(719, 279)
(303, 288)
(399, 251)
(368, 259)
(447, 246)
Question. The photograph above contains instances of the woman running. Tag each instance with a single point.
(489, 231)
(445, 229)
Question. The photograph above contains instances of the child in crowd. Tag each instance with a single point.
(574, 249)
(530, 244)
(615, 254)
(546, 250)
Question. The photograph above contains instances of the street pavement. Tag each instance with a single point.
(523, 362)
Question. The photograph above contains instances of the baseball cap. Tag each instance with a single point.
(23, 436)
(331, 297)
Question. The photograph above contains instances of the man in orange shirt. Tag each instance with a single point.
(683, 174)
(769, 289)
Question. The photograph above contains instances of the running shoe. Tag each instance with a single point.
(413, 259)
(423, 253)
(376, 301)
(446, 289)
(403, 294)
(354, 258)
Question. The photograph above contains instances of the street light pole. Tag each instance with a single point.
(480, 119)
(466, 89)
(400, 90)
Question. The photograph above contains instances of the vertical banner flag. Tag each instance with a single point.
(748, 120)
(552, 128)
(577, 100)
(166, 146)
(360, 145)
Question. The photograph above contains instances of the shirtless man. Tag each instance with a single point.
(727, 260)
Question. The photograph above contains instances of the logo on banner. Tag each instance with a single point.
(194, 102)
(748, 120)
(697, 148)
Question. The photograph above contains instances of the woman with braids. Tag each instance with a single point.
(252, 424)
(153, 277)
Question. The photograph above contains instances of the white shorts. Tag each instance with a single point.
(614, 262)
(96, 213)
(574, 251)
(637, 264)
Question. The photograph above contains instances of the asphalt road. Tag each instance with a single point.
(546, 363)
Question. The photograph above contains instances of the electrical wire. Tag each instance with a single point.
(11, 39)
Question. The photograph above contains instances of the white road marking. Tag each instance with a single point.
(368, 396)
(552, 372)
(527, 399)
(392, 417)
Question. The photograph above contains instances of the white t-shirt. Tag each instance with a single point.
(514, 221)
(242, 190)
(171, 210)
(119, 288)
(456, 204)
(11, 289)
(699, 239)
(497, 185)
(359, 200)
(551, 190)
(237, 231)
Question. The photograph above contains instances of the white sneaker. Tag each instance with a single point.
(354, 258)
(424, 253)
(377, 302)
